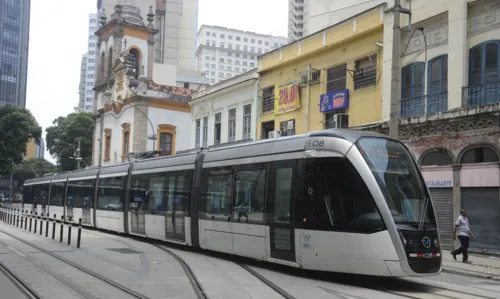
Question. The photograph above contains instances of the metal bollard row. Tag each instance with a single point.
(19, 218)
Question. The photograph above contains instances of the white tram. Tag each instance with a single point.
(334, 200)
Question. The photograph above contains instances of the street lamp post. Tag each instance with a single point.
(76, 150)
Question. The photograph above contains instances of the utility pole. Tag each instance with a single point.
(395, 109)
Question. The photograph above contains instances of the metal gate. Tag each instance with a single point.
(138, 222)
(483, 211)
(442, 199)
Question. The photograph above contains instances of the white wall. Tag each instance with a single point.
(178, 119)
(223, 101)
(114, 122)
(96, 137)
(164, 74)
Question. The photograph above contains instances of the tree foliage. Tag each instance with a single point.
(68, 130)
(17, 127)
(32, 169)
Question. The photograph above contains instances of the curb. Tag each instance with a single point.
(471, 274)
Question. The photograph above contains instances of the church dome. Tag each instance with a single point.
(132, 15)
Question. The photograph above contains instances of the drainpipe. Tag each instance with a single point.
(257, 108)
(307, 97)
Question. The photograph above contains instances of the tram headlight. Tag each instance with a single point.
(436, 242)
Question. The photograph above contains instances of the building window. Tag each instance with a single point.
(137, 56)
(221, 44)
(412, 92)
(197, 136)
(365, 74)
(107, 144)
(103, 64)
(205, 131)
(125, 139)
(221, 59)
(236, 69)
(247, 121)
(186, 85)
(229, 37)
(110, 61)
(238, 38)
(213, 34)
(229, 46)
(208, 33)
(166, 142)
(217, 128)
(268, 99)
(479, 155)
(213, 66)
(287, 127)
(336, 78)
(437, 89)
(232, 125)
(436, 157)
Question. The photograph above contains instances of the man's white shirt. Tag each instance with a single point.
(463, 226)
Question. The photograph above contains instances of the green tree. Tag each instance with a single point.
(17, 127)
(32, 169)
(62, 137)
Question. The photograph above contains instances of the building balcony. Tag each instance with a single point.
(424, 105)
(481, 95)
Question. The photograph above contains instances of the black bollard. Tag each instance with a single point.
(22, 218)
(69, 233)
(26, 220)
(36, 216)
(62, 228)
(31, 219)
(54, 227)
(17, 217)
(9, 216)
(79, 233)
(47, 226)
(41, 224)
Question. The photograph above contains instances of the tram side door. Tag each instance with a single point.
(280, 205)
(86, 210)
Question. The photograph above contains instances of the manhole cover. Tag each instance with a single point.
(124, 250)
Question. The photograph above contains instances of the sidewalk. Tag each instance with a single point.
(482, 266)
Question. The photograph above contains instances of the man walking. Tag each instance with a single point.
(462, 226)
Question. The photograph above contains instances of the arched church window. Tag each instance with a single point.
(479, 155)
(137, 57)
(437, 157)
(110, 61)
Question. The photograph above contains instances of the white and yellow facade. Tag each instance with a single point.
(335, 71)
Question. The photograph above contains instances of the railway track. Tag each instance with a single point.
(87, 271)
(19, 283)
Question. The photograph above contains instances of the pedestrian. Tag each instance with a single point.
(462, 229)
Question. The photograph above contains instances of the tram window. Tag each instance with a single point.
(283, 195)
(27, 194)
(178, 194)
(41, 194)
(337, 199)
(144, 199)
(88, 189)
(111, 193)
(216, 192)
(77, 191)
(249, 200)
(57, 194)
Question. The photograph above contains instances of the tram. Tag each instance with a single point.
(334, 200)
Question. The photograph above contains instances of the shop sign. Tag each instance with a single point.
(286, 97)
(334, 100)
(439, 184)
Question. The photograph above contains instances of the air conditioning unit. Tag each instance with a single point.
(274, 134)
(341, 121)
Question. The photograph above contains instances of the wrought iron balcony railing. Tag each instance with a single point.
(480, 95)
(424, 105)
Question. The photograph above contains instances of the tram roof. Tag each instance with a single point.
(85, 173)
(281, 145)
(116, 169)
(43, 180)
(167, 161)
(29, 182)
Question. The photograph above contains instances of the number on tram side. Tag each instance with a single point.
(316, 143)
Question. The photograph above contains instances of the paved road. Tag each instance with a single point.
(9, 289)
(154, 273)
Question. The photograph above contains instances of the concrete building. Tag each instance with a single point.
(449, 108)
(134, 110)
(225, 112)
(14, 44)
(331, 79)
(223, 53)
(87, 69)
(306, 17)
(35, 149)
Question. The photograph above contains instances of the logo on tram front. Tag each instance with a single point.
(426, 241)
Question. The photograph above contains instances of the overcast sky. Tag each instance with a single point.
(58, 39)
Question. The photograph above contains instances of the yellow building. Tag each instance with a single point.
(329, 79)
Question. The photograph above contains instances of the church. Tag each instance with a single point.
(140, 106)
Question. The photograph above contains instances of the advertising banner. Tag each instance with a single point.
(334, 100)
(286, 97)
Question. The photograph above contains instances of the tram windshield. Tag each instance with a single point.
(398, 176)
